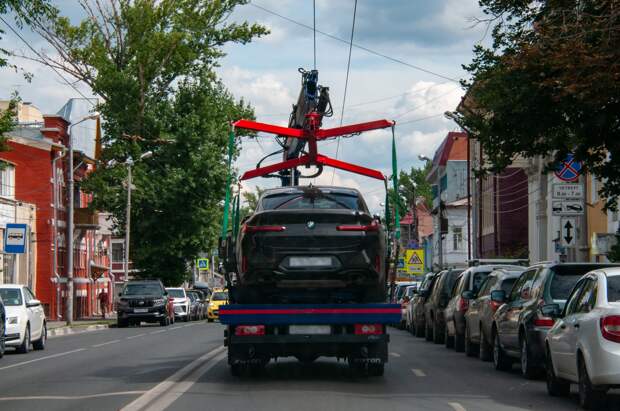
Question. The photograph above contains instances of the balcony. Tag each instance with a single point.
(86, 219)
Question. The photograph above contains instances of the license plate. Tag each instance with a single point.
(141, 310)
(310, 261)
(309, 329)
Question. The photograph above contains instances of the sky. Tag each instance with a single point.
(435, 36)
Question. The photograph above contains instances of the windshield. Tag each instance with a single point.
(613, 289)
(302, 201)
(176, 292)
(142, 289)
(219, 296)
(562, 285)
(11, 296)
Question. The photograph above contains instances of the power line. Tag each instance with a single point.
(41, 57)
(314, 29)
(376, 53)
(346, 83)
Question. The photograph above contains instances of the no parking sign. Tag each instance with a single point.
(569, 169)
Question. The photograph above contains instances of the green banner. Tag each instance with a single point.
(231, 146)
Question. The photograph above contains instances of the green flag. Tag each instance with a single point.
(395, 185)
(231, 146)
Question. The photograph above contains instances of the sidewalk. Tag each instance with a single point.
(58, 328)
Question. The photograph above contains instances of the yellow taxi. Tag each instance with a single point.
(218, 297)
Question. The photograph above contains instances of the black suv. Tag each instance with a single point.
(435, 305)
(519, 327)
(143, 300)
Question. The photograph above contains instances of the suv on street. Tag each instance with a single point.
(469, 281)
(434, 308)
(182, 303)
(143, 300)
(416, 307)
(520, 327)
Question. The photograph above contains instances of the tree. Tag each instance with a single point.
(548, 85)
(422, 188)
(152, 64)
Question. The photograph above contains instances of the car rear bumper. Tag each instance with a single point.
(154, 314)
(536, 342)
(603, 363)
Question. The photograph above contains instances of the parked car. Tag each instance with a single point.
(520, 327)
(25, 320)
(2, 328)
(399, 291)
(181, 303)
(416, 307)
(143, 300)
(479, 315)
(436, 304)
(583, 347)
(469, 281)
(195, 308)
(404, 303)
(219, 297)
(204, 299)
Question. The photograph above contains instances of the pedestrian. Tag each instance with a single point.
(103, 302)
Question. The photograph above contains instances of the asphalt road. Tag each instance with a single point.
(183, 367)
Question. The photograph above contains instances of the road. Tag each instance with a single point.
(184, 367)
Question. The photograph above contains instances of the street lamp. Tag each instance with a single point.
(422, 157)
(129, 162)
(70, 223)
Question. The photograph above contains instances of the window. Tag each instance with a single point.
(522, 287)
(587, 299)
(573, 299)
(507, 284)
(487, 284)
(118, 253)
(457, 238)
(7, 180)
(613, 288)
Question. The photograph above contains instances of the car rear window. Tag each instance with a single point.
(450, 279)
(219, 296)
(312, 200)
(507, 284)
(142, 289)
(613, 289)
(562, 285)
(479, 277)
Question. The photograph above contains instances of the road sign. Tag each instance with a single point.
(414, 261)
(570, 191)
(567, 207)
(202, 264)
(569, 169)
(401, 263)
(567, 233)
(15, 238)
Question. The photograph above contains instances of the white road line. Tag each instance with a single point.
(67, 397)
(395, 354)
(175, 328)
(158, 332)
(136, 336)
(42, 358)
(456, 406)
(106, 343)
(173, 382)
(418, 372)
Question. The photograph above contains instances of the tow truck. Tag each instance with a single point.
(293, 313)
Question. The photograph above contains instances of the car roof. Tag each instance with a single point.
(300, 189)
(494, 267)
(610, 271)
(12, 286)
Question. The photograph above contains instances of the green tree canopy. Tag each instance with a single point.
(549, 85)
(413, 183)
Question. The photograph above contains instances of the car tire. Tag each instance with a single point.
(186, 318)
(485, 349)
(470, 347)
(2, 346)
(236, 370)
(590, 396)
(376, 369)
(121, 323)
(448, 341)
(24, 347)
(210, 320)
(164, 322)
(428, 333)
(437, 334)
(501, 361)
(528, 369)
(39, 344)
(419, 331)
(556, 387)
(459, 341)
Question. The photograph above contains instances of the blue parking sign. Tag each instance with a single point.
(15, 238)
(202, 263)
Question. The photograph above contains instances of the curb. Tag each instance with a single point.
(60, 331)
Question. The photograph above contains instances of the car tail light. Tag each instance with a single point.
(245, 330)
(463, 304)
(494, 305)
(374, 226)
(610, 328)
(262, 228)
(368, 329)
(540, 321)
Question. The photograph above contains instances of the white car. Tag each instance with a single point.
(180, 301)
(25, 319)
(583, 347)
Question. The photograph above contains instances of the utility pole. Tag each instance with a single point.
(129, 163)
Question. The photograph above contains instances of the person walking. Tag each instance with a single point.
(103, 302)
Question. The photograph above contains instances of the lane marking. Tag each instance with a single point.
(144, 401)
(418, 372)
(456, 406)
(42, 358)
(77, 397)
(157, 332)
(136, 336)
(106, 343)
(395, 354)
(176, 328)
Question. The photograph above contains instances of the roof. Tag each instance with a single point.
(453, 147)
(84, 133)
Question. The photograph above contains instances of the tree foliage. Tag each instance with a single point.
(152, 64)
(549, 85)
(413, 184)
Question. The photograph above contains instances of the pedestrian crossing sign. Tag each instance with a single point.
(414, 258)
(203, 264)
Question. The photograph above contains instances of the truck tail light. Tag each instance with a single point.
(368, 329)
(245, 330)
(494, 305)
(262, 228)
(610, 328)
(462, 305)
(374, 226)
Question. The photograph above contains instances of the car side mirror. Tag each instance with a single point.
(499, 296)
(33, 303)
(551, 310)
(468, 295)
